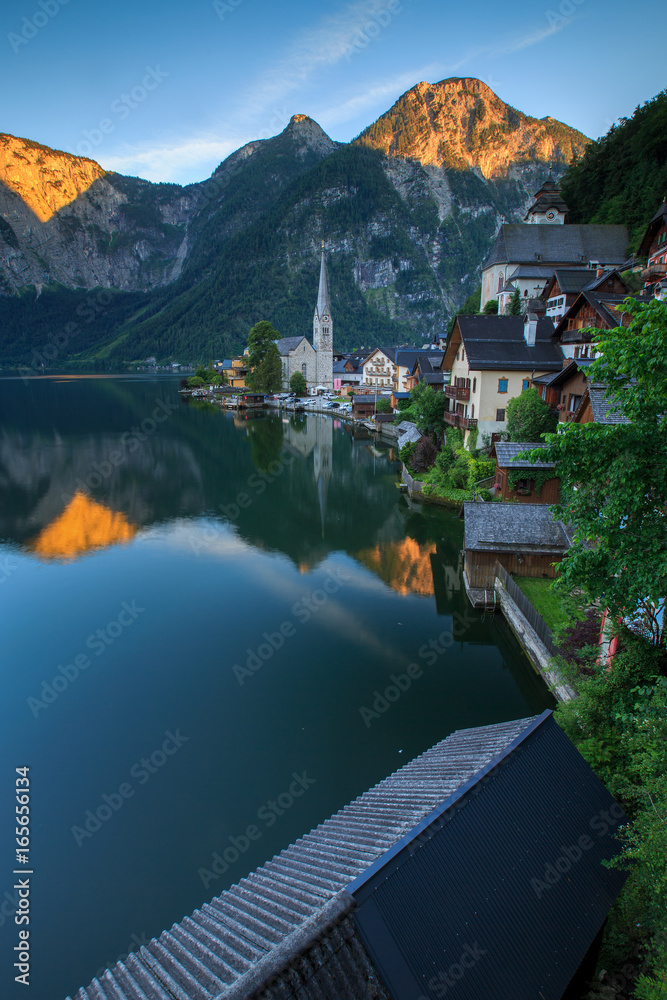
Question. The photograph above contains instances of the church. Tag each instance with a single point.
(314, 361)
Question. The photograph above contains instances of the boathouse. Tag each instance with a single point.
(522, 480)
(524, 538)
(480, 864)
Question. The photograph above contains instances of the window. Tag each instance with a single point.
(474, 385)
(304, 369)
(574, 403)
(525, 292)
(500, 416)
(525, 384)
(472, 409)
(500, 281)
(502, 386)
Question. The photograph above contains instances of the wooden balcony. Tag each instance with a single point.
(460, 392)
(456, 420)
(655, 272)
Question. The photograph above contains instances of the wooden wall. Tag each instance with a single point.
(549, 494)
(481, 566)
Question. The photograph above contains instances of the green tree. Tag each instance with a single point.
(383, 406)
(260, 338)
(270, 371)
(298, 384)
(529, 417)
(514, 308)
(615, 474)
(427, 408)
(491, 308)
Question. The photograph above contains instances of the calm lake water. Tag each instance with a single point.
(196, 608)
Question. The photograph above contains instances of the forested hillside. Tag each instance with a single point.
(622, 178)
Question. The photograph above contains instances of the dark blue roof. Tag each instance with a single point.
(501, 890)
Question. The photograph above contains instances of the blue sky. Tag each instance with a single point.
(167, 90)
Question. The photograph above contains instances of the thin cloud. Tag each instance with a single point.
(168, 161)
(526, 41)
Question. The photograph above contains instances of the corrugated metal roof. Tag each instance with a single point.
(502, 890)
(286, 922)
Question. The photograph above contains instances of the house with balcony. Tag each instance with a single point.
(392, 367)
(654, 246)
(593, 309)
(493, 359)
(564, 390)
(236, 371)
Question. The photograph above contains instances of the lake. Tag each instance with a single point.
(210, 624)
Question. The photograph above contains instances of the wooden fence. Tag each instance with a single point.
(534, 619)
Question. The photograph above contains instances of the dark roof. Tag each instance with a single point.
(260, 928)
(572, 280)
(654, 225)
(531, 271)
(434, 378)
(503, 527)
(516, 243)
(487, 896)
(606, 305)
(603, 405)
(401, 395)
(288, 344)
(370, 397)
(498, 342)
(507, 451)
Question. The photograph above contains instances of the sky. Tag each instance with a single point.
(166, 90)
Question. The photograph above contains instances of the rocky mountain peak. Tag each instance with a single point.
(45, 179)
(307, 132)
(462, 124)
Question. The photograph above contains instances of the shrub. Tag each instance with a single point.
(478, 469)
(424, 455)
(458, 473)
(407, 451)
(446, 458)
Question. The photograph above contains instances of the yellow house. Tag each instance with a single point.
(236, 371)
(492, 360)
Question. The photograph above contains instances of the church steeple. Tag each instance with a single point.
(323, 307)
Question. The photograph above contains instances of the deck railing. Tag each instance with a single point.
(534, 619)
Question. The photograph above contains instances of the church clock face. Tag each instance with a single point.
(551, 216)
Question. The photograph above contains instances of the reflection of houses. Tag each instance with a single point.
(428, 875)
(524, 538)
(521, 480)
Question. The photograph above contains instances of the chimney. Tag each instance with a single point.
(530, 328)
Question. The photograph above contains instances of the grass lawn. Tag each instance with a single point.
(556, 610)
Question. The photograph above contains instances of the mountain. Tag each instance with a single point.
(406, 212)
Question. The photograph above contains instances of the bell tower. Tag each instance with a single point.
(323, 329)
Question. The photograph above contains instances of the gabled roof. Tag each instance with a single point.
(567, 372)
(507, 451)
(558, 245)
(513, 527)
(488, 807)
(570, 280)
(289, 344)
(654, 225)
(497, 342)
(602, 405)
(606, 304)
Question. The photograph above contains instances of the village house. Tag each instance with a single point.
(493, 359)
(348, 372)
(521, 480)
(364, 407)
(599, 306)
(563, 287)
(236, 371)
(527, 254)
(392, 367)
(654, 246)
(598, 406)
(435, 846)
(563, 391)
(524, 538)
(427, 368)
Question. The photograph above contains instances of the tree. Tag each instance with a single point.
(529, 417)
(298, 384)
(383, 406)
(514, 308)
(427, 408)
(491, 308)
(260, 338)
(270, 371)
(615, 474)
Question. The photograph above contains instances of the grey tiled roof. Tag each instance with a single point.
(434, 378)
(285, 931)
(520, 527)
(531, 271)
(494, 342)
(288, 344)
(506, 452)
(527, 244)
(572, 280)
(602, 406)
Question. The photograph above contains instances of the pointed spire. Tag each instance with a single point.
(323, 304)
